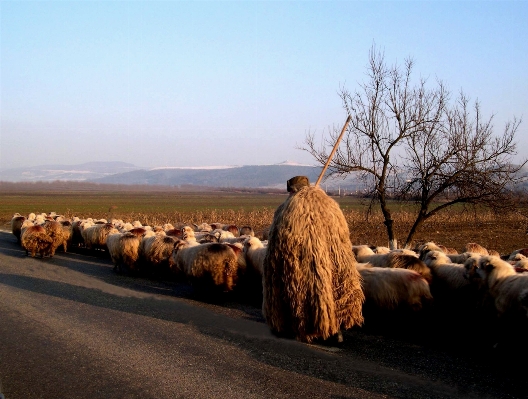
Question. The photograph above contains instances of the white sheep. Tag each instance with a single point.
(428, 246)
(460, 258)
(95, 236)
(255, 252)
(504, 284)
(401, 259)
(451, 276)
(124, 250)
(247, 231)
(16, 225)
(203, 227)
(189, 236)
(389, 289)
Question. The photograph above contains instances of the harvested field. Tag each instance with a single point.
(155, 206)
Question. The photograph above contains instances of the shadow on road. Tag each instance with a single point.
(382, 359)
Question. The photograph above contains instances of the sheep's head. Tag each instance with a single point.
(434, 256)
(187, 232)
(471, 265)
(426, 248)
(485, 267)
(179, 244)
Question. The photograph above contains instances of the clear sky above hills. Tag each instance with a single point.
(181, 83)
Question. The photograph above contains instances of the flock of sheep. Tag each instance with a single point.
(218, 257)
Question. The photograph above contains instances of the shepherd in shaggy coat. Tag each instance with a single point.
(311, 286)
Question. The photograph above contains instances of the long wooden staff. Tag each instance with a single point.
(333, 151)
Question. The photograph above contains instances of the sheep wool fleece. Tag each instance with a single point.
(312, 288)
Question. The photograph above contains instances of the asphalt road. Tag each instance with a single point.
(72, 328)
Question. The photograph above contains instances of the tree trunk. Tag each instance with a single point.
(420, 219)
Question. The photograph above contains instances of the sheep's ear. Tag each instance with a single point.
(486, 266)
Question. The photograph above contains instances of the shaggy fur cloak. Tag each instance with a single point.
(311, 286)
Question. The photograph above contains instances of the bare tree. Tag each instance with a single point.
(405, 138)
(463, 158)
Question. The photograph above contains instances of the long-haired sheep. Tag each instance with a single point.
(387, 289)
(56, 232)
(452, 288)
(207, 265)
(460, 258)
(475, 248)
(400, 258)
(504, 284)
(16, 225)
(66, 231)
(425, 248)
(447, 275)
(95, 236)
(155, 253)
(34, 239)
(205, 227)
(311, 286)
(505, 289)
(124, 250)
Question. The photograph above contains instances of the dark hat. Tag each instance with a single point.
(296, 183)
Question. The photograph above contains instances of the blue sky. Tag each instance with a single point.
(181, 83)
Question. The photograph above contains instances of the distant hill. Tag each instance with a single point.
(248, 176)
(80, 172)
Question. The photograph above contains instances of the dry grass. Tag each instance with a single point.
(453, 228)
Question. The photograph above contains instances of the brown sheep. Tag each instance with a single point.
(66, 231)
(34, 239)
(56, 232)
